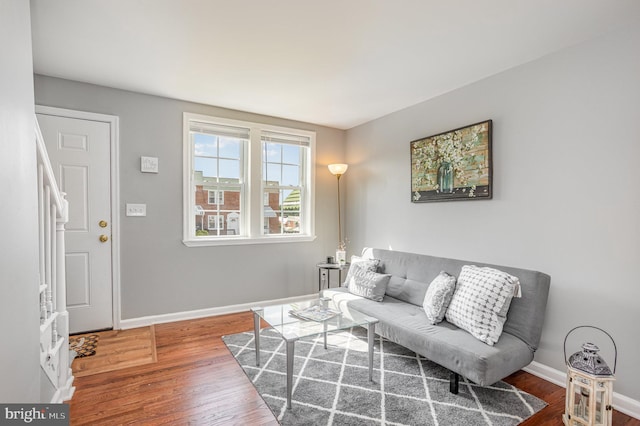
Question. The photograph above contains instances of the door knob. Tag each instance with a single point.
(104, 238)
(103, 224)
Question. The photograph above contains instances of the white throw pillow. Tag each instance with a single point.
(481, 300)
(366, 283)
(369, 264)
(438, 297)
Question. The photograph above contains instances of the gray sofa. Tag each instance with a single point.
(402, 318)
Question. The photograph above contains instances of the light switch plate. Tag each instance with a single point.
(136, 209)
(149, 164)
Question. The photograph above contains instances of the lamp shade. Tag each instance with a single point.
(338, 169)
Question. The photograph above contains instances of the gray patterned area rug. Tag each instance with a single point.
(331, 386)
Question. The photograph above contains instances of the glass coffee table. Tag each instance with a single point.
(292, 328)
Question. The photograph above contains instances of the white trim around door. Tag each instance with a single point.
(115, 192)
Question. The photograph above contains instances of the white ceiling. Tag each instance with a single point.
(338, 63)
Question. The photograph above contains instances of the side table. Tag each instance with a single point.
(324, 273)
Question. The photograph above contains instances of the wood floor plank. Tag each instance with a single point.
(118, 350)
(195, 380)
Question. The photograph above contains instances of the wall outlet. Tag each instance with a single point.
(136, 209)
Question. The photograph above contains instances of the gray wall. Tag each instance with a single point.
(160, 275)
(565, 153)
(19, 356)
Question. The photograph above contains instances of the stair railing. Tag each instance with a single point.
(53, 214)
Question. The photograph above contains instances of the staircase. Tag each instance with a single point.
(54, 318)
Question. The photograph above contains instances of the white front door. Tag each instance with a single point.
(80, 152)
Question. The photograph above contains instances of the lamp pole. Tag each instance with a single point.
(339, 215)
(338, 170)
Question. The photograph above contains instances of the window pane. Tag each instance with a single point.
(205, 169)
(230, 169)
(202, 200)
(271, 212)
(291, 211)
(290, 175)
(229, 148)
(217, 219)
(204, 145)
(273, 174)
(201, 226)
(230, 199)
(282, 218)
(272, 199)
(291, 154)
(273, 152)
(232, 224)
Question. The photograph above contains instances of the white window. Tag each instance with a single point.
(216, 197)
(215, 222)
(283, 170)
(262, 175)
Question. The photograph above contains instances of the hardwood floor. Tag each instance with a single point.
(196, 381)
(119, 349)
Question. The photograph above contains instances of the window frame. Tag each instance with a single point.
(283, 140)
(252, 202)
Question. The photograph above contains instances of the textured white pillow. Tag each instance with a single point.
(481, 300)
(369, 264)
(366, 283)
(438, 297)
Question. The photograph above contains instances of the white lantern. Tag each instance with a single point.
(589, 385)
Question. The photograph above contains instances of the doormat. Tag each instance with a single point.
(84, 345)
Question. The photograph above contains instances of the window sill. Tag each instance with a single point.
(234, 241)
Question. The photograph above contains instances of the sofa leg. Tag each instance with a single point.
(454, 379)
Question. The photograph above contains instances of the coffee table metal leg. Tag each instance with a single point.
(290, 356)
(371, 336)
(256, 334)
(325, 335)
(325, 303)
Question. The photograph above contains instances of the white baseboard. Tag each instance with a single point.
(552, 375)
(621, 403)
(209, 312)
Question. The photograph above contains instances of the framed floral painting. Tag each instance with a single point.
(454, 165)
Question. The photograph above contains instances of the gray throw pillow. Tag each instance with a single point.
(366, 283)
(481, 300)
(369, 264)
(438, 297)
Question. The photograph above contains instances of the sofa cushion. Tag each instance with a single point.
(410, 274)
(481, 301)
(438, 297)
(444, 343)
(369, 264)
(366, 283)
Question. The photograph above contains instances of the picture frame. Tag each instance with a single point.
(454, 165)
